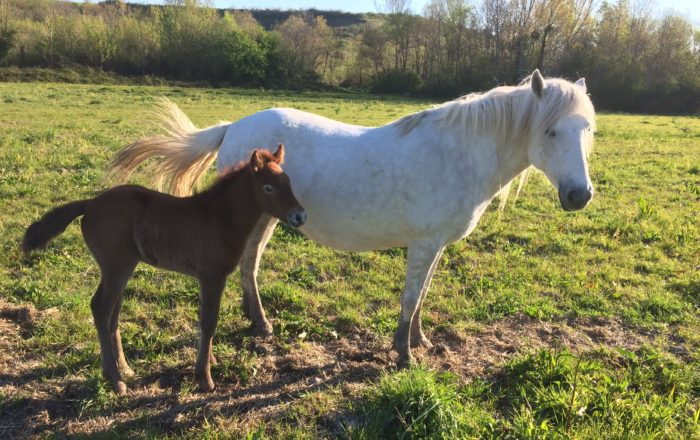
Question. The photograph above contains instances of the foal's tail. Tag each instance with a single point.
(52, 224)
(182, 156)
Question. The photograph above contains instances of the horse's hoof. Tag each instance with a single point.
(127, 371)
(119, 388)
(421, 341)
(263, 331)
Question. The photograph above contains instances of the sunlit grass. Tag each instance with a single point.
(632, 256)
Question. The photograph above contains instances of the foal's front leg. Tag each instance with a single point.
(211, 288)
(422, 258)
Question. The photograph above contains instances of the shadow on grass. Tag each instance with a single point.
(74, 400)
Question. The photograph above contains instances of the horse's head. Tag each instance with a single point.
(562, 137)
(272, 188)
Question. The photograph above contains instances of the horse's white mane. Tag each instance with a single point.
(513, 113)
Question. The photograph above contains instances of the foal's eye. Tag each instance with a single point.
(549, 132)
(269, 189)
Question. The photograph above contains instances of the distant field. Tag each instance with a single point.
(547, 324)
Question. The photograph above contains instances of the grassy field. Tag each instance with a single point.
(546, 324)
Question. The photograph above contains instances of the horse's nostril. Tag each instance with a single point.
(578, 197)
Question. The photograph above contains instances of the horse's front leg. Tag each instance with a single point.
(250, 260)
(422, 259)
(418, 338)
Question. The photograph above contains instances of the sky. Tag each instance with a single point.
(690, 9)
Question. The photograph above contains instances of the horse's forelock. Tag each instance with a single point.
(563, 98)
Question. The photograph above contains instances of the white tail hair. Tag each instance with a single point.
(180, 158)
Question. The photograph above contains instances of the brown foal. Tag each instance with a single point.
(202, 236)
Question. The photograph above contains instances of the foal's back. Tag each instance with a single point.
(131, 223)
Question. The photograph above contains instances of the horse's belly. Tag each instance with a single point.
(353, 236)
(374, 218)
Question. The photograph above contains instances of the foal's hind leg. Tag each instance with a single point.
(211, 289)
(250, 260)
(117, 339)
(103, 304)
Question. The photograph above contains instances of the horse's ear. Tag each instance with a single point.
(279, 155)
(581, 82)
(537, 83)
(256, 161)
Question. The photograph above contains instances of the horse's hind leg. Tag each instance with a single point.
(103, 305)
(250, 260)
(418, 338)
(117, 339)
(211, 289)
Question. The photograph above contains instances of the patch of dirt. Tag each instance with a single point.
(476, 353)
(34, 402)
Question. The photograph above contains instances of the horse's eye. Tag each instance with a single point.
(269, 189)
(550, 132)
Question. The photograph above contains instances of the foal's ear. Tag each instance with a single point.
(537, 83)
(581, 82)
(256, 161)
(279, 155)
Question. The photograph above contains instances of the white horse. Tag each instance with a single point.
(421, 182)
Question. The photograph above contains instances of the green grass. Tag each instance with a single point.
(631, 258)
(542, 395)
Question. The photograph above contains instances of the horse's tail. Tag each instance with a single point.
(52, 224)
(182, 157)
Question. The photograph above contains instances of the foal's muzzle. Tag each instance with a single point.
(574, 198)
(297, 218)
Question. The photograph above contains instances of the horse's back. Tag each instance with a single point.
(296, 129)
(363, 188)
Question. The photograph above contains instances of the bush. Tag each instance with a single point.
(6, 42)
(396, 81)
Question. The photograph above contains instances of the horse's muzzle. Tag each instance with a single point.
(297, 218)
(574, 198)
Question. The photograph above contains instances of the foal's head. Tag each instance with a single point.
(272, 188)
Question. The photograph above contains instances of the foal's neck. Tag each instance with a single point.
(231, 199)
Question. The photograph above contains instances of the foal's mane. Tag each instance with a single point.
(240, 165)
(229, 174)
(513, 113)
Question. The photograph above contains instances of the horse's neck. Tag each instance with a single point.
(511, 161)
(234, 203)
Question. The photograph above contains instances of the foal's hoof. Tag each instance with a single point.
(206, 385)
(421, 341)
(119, 388)
(404, 362)
(212, 360)
(127, 371)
